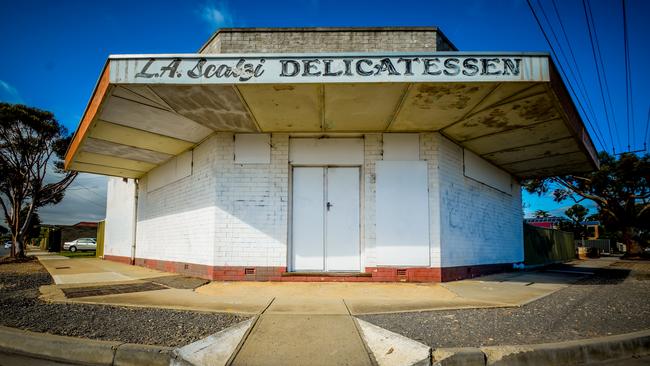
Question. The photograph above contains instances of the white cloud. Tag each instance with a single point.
(216, 16)
(85, 200)
(8, 93)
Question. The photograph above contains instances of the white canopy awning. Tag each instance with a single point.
(511, 109)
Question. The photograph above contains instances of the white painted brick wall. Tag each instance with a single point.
(118, 232)
(430, 151)
(251, 206)
(372, 153)
(479, 224)
(177, 221)
(229, 214)
(224, 214)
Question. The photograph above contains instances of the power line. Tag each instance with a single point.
(79, 185)
(596, 131)
(628, 79)
(594, 47)
(647, 124)
(89, 200)
(568, 64)
(582, 82)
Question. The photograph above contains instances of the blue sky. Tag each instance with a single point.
(53, 51)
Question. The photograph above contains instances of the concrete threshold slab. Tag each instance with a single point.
(307, 305)
(51, 257)
(177, 299)
(570, 272)
(407, 306)
(515, 289)
(498, 293)
(80, 278)
(88, 270)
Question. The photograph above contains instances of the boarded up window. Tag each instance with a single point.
(344, 151)
(175, 169)
(402, 213)
(401, 146)
(481, 170)
(252, 149)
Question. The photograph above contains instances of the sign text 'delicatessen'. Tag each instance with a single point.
(221, 70)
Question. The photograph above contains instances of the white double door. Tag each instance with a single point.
(325, 228)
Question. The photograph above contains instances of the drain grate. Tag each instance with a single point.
(111, 289)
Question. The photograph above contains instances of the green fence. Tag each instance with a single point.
(99, 251)
(544, 246)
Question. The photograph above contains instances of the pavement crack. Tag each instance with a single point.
(115, 351)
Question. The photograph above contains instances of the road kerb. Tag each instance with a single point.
(584, 351)
(80, 351)
(129, 354)
(465, 356)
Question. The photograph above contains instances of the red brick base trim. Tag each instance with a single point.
(253, 273)
(117, 258)
(462, 272)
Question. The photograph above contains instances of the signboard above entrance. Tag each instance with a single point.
(320, 68)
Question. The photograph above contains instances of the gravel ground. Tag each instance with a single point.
(21, 308)
(613, 301)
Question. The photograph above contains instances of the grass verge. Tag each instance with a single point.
(78, 254)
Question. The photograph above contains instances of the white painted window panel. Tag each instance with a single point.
(173, 170)
(308, 218)
(342, 249)
(481, 170)
(252, 149)
(401, 146)
(402, 213)
(332, 151)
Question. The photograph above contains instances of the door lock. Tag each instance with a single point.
(329, 205)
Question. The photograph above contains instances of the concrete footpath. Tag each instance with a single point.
(502, 290)
(314, 323)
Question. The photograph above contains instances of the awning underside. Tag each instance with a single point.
(522, 127)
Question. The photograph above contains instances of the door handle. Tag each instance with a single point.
(329, 205)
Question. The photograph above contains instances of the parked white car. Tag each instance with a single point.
(8, 245)
(80, 244)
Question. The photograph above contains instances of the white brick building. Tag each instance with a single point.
(376, 154)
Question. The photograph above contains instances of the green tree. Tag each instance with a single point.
(620, 189)
(577, 215)
(32, 144)
(541, 214)
(34, 225)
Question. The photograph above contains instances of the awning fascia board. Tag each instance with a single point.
(536, 67)
(575, 125)
(101, 91)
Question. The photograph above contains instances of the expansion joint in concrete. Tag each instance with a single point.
(372, 358)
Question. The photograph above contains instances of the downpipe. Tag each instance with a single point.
(135, 220)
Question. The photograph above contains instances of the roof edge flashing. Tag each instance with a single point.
(434, 29)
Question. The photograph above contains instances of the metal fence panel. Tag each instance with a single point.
(603, 245)
(545, 246)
